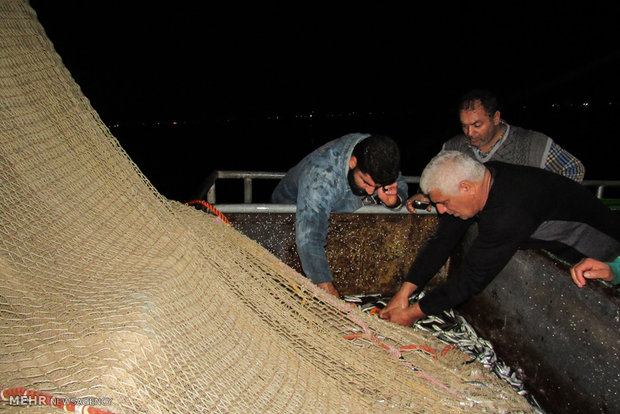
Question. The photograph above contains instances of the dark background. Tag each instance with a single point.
(191, 87)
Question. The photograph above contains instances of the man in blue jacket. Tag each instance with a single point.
(341, 176)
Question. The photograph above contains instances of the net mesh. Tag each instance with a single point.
(111, 291)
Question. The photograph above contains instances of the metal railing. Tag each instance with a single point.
(600, 186)
(208, 189)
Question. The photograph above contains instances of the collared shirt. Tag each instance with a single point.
(486, 156)
(564, 163)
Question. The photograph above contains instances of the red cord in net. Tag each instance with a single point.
(210, 207)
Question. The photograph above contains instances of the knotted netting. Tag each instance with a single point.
(121, 299)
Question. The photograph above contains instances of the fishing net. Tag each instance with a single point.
(116, 297)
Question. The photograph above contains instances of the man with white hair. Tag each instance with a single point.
(516, 207)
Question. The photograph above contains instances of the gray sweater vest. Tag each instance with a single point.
(521, 146)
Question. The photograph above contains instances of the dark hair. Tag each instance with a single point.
(487, 99)
(379, 157)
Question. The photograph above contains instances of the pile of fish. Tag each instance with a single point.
(452, 329)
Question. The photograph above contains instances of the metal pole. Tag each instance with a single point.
(247, 190)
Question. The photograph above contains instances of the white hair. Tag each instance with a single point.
(446, 171)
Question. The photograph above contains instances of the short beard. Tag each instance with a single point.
(354, 188)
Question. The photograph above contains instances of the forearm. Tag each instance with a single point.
(314, 262)
(436, 250)
(473, 276)
(564, 163)
(311, 238)
(400, 299)
(403, 190)
(615, 268)
(487, 255)
(407, 289)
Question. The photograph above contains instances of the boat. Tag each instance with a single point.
(117, 299)
(560, 341)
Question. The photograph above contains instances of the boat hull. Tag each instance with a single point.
(367, 253)
(563, 341)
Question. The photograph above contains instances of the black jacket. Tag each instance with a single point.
(527, 208)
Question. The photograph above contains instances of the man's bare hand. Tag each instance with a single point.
(403, 316)
(398, 302)
(329, 288)
(418, 197)
(388, 194)
(399, 311)
(589, 268)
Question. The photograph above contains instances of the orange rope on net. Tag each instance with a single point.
(210, 208)
(368, 335)
(26, 397)
(425, 348)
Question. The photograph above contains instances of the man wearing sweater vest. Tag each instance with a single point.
(487, 137)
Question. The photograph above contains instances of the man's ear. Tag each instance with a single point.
(353, 162)
(496, 117)
(466, 186)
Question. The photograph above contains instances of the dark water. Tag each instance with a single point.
(177, 158)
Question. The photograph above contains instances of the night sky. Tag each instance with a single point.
(221, 61)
